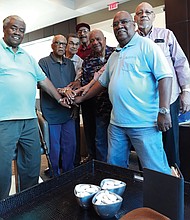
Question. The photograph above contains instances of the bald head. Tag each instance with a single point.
(96, 32)
(59, 37)
(143, 5)
(123, 14)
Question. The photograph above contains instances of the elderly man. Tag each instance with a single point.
(73, 44)
(61, 72)
(19, 75)
(139, 85)
(96, 111)
(144, 17)
(83, 30)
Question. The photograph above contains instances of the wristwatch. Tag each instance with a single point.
(164, 111)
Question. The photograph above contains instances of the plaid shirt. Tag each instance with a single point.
(91, 65)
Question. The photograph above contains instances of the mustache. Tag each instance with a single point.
(120, 30)
(83, 37)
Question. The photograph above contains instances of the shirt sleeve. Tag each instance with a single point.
(179, 59)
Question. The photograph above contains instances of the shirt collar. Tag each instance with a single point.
(82, 47)
(54, 60)
(6, 47)
(129, 44)
(142, 34)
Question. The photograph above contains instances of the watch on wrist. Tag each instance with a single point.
(164, 110)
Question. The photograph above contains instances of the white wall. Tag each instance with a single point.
(105, 26)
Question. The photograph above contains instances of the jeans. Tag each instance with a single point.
(62, 141)
(147, 143)
(102, 138)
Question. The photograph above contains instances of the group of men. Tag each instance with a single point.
(130, 96)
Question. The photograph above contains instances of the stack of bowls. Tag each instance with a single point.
(106, 199)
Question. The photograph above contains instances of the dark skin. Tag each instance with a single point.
(124, 32)
(14, 33)
(13, 36)
(145, 23)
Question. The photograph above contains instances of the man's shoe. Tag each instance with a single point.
(48, 172)
(86, 159)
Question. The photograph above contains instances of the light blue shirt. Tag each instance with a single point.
(132, 75)
(19, 74)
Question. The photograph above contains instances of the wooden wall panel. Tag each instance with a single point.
(64, 28)
(178, 20)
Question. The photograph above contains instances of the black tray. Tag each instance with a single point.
(54, 199)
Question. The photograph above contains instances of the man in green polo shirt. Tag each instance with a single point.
(19, 75)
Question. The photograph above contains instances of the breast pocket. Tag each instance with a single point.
(129, 64)
(165, 49)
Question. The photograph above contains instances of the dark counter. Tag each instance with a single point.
(54, 199)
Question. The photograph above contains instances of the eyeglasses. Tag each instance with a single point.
(73, 44)
(122, 22)
(84, 31)
(139, 13)
(57, 43)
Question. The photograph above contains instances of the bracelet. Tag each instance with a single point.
(60, 100)
(186, 90)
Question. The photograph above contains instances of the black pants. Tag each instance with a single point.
(89, 122)
(171, 137)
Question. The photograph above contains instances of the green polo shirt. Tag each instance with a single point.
(19, 74)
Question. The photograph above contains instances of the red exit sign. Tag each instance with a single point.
(113, 5)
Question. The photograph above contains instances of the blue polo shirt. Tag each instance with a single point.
(19, 74)
(60, 74)
(132, 75)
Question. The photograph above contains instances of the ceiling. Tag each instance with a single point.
(41, 13)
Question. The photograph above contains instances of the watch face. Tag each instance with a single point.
(164, 110)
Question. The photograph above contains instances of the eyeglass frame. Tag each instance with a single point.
(57, 43)
(122, 22)
(74, 44)
(85, 31)
(140, 13)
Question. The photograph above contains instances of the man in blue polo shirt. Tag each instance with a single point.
(60, 70)
(139, 82)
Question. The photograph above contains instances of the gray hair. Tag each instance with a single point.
(8, 19)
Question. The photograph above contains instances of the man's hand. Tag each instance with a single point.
(83, 89)
(65, 102)
(164, 122)
(75, 85)
(68, 92)
(185, 101)
(78, 99)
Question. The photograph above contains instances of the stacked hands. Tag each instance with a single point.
(73, 93)
(71, 96)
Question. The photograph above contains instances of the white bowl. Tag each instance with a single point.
(106, 203)
(84, 194)
(113, 185)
